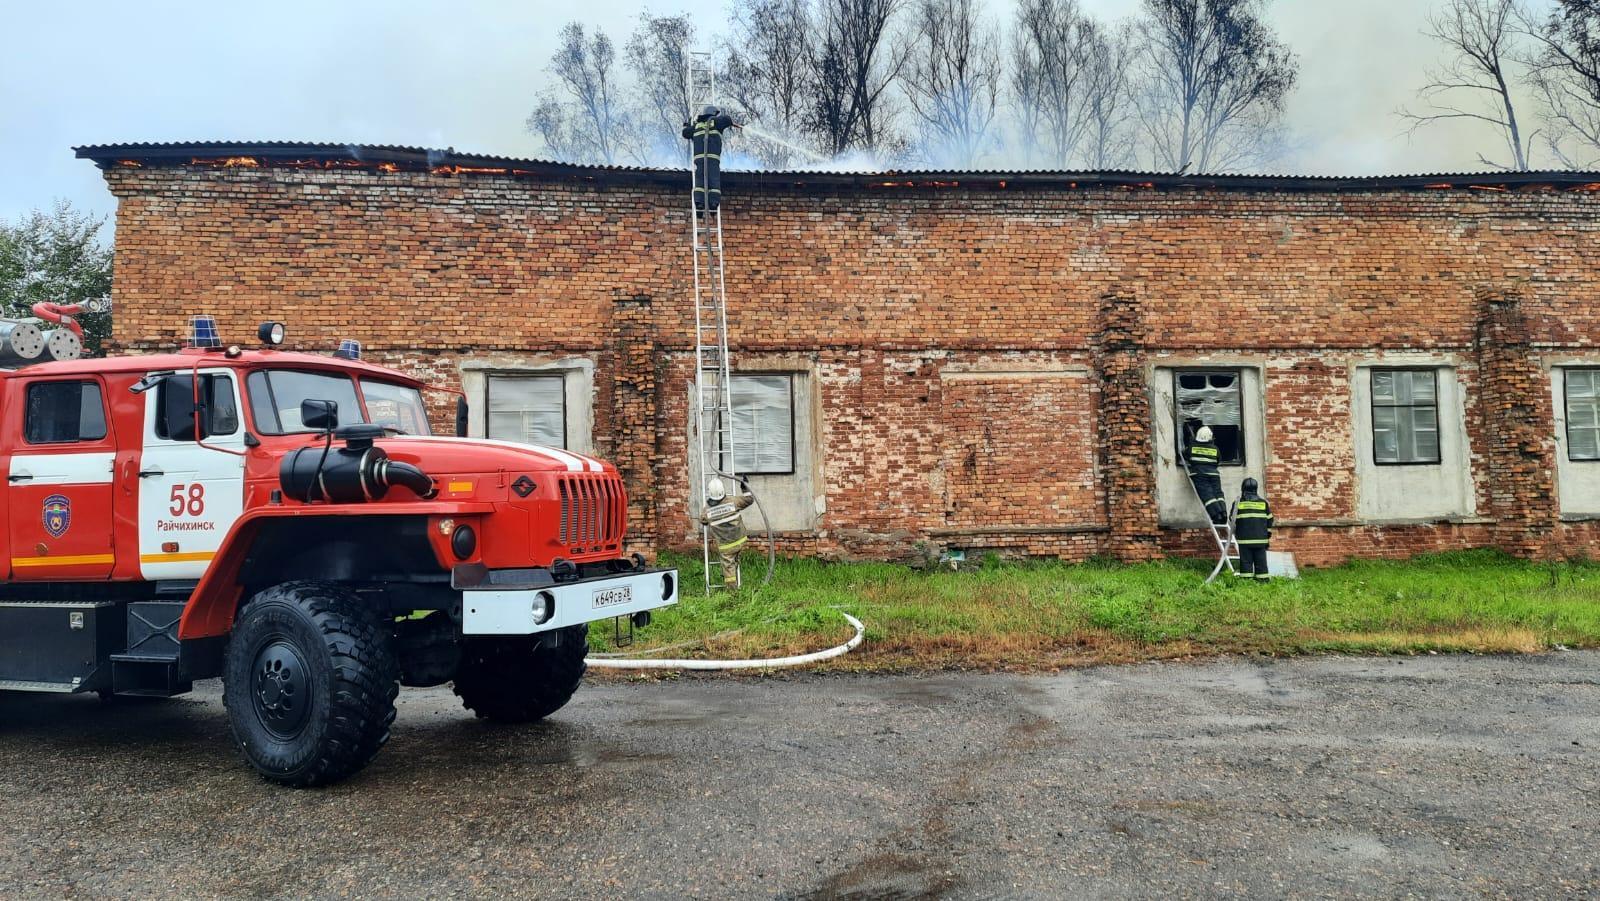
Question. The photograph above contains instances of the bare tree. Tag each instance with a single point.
(1215, 80)
(768, 72)
(1108, 92)
(951, 78)
(1474, 83)
(655, 54)
(585, 123)
(1048, 78)
(1565, 71)
(853, 66)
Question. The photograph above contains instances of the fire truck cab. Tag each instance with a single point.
(287, 522)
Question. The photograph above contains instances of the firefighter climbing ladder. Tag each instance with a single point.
(1227, 544)
(712, 393)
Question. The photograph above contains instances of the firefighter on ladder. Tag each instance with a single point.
(705, 137)
(1201, 455)
(725, 520)
(1252, 517)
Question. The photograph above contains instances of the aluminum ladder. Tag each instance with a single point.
(1227, 544)
(713, 396)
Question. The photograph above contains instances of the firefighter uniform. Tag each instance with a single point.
(1202, 456)
(724, 518)
(705, 137)
(1252, 529)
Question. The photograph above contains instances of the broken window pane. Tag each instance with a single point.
(1405, 416)
(1212, 398)
(1583, 414)
(763, 424)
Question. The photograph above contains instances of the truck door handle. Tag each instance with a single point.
(21, 477)
(152, 471)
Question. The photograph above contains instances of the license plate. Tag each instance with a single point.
(610, 597)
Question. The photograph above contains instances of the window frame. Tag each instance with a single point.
(1566, 410)
(789, 377)
(206, 422)
(105, 418)
(488, 386)
(1438, 421)
(1177, 410)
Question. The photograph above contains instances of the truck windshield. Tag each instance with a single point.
(395, 406)
(275, 396)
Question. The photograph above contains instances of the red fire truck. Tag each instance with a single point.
(287, 522)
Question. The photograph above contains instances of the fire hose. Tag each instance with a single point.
(765, 663)
(61, 314)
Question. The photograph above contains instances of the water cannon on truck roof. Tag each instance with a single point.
(287, 521)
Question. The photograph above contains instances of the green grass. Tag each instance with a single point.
(1044, 615)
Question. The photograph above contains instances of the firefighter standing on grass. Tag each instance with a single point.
(1202, 456)
(1252, 529)
(725, 520)
(705, 137)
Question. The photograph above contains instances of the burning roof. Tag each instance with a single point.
(450, 162)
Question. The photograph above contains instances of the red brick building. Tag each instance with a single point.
(961, 360)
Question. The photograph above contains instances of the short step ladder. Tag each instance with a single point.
(1227, 544)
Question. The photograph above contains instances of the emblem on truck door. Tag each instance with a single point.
(523, 486)
(57, 515)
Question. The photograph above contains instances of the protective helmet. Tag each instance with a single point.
(710, 111)
(1203, 433)
(715, 489)
(1250, 486)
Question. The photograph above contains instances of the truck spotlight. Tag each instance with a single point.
(464, 540)
(544, 604)
(271, 333)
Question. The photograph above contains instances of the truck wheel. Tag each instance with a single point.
(513, 680)
(309, 682)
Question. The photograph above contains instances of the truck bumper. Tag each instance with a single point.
(511, 606)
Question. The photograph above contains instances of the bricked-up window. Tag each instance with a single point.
(528, 409)
(1405, 416)
(763, 424)
(1213, 397)
(60, 412)
(1583, 414)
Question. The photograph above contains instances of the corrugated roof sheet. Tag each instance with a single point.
(401, 158)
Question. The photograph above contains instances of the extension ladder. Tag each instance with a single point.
(713, 397)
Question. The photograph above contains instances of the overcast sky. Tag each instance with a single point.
(465, 73)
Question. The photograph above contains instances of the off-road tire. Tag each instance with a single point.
(509, 680)
(348, 676)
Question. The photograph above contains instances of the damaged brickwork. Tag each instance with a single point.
(981, 354)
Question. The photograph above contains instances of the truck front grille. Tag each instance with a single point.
(594, 510)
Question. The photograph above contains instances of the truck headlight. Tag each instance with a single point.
(463, 541)
(544, 605)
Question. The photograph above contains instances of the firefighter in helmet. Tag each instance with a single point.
(1201, 454)
(705, 137)
(724, 518)
(1252, 518)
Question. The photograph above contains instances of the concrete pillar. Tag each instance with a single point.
(1126, 461)
(1519, 427)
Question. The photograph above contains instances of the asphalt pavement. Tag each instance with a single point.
(1429, 776)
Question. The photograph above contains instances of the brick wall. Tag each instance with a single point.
(980, 354)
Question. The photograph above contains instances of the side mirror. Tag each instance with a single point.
(320, 415)
(461, 417)
(178, 412)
